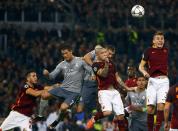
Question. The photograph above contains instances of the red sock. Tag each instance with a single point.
(126, 124)
(159, 119)
(122, 125)
(98, 116)
(150, 122)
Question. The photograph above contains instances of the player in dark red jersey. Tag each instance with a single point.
(109, 97)
(172, 98)
(132, 79)
(156, 57)
(130, 82)
(24, 105)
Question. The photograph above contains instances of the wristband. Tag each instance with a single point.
(144, 109)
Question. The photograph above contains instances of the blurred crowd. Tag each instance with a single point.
(94, 13)
(95, 22)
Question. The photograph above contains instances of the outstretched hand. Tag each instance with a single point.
(45, 72)
(131, 89)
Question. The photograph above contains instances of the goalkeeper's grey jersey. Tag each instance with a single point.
(137, 99)
(73, 73)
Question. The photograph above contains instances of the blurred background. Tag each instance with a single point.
(31, 32)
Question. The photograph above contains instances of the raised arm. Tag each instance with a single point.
(89, 57)
(54, 73)
(88, 68)
(103, 72)
(32, 92)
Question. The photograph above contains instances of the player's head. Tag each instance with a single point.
(66, 52)
(111, 51)
(31, 77)
(141, 81)
(158, 40)
(102, 54)
(131, 71)
(98, 47)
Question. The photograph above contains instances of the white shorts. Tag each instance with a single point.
(110, 100)
(16, 119)
(173, 129)
(157, 90)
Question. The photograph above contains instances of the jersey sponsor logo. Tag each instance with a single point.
(95, 69)
(153, 52)
(143, 97)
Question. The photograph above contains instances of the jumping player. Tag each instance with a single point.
(109, 97)
(24, 105)
(73, 70)
(172, 98)
(156, 57)
(89, 92)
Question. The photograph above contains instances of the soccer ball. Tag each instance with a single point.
(137, 11)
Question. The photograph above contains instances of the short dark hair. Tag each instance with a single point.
(140, 75)
(66, 47)
(29, 72)
(158, 33)
(110, 47)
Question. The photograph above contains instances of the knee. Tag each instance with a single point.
(64, 106)
(150, 109)
(160, 106)
(120, 117)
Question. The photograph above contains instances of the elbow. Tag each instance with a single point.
(140, 68)
(103, 74)
(37, 95)
(88, 60)
(51, 77)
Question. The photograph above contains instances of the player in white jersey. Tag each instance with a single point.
(73, 70)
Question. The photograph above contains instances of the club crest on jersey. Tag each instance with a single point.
(164, 50)
(26, 86)
(95, 69)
